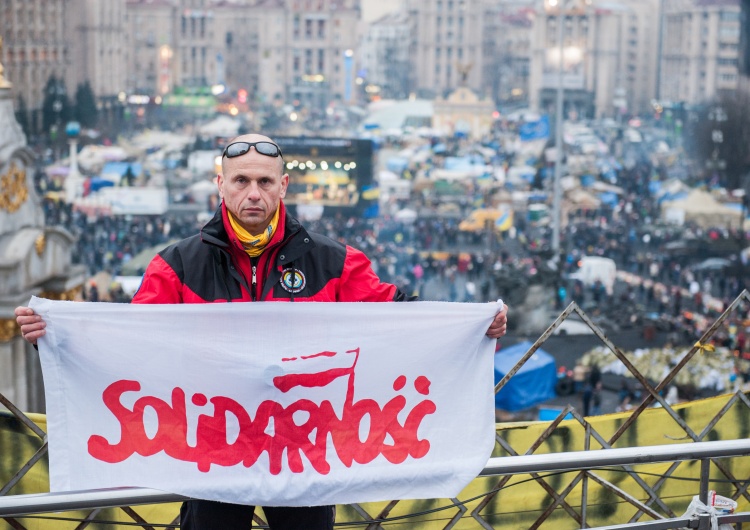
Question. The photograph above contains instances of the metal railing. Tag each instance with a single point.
(535, 454)
(21, 505)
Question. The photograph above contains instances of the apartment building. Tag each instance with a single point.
(608, 59)
(95, 34)
(447, 44)
(308, 50)
(275, 49)
(701, 49)
(34, 49)
(385, 63)
(150, 46)
(507, 52)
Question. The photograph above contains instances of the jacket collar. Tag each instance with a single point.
(217, 230)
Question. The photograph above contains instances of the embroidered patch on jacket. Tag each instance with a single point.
(292, 280)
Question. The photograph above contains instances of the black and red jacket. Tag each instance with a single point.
(296, 266)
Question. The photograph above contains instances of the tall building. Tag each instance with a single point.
(384, 59)
(608, 66)
(237, 34)
(275, 49)
(446, 48)
(507, 52)
(95, 35)
(174, 44)
(307, 50)
(34, 49)
(701, 49)
(150, 46)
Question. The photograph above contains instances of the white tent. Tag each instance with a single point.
(701, 208)
(200, 191)
(221, 126)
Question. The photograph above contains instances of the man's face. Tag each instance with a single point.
(252, 186)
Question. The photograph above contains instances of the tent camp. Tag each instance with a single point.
(138, 263)
(534, 382)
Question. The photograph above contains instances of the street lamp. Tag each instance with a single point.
(717, 116)
(556, 187)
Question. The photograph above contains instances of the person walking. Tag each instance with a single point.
(254, 250)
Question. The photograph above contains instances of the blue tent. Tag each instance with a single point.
(534, 383)
(120, 168)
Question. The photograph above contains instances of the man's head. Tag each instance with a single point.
(252, 181)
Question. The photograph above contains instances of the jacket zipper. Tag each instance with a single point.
(254, 280)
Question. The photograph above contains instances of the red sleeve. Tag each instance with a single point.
(160, 285)
(359, 283)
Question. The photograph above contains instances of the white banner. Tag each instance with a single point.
(274, 404)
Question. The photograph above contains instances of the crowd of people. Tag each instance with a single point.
(460, 266)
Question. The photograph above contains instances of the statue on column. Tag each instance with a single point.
(37, 259)
(463, 71)
(4, 83)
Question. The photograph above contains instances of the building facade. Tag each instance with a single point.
(151, 46)
(385, 63)
(608, 67)
(308, 51)
(701, 50)
(507, 52)
(34, 49)
(95, 36)
(446, 46)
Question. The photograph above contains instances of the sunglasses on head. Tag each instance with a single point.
(240, 148)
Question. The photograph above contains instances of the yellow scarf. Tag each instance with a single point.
(254, 245)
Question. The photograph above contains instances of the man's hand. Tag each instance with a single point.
(499, 325)
(32, 326)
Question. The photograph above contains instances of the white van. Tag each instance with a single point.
(593, 268)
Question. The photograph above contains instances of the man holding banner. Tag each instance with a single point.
(253, 250)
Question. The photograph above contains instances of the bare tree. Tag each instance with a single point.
(718, 137)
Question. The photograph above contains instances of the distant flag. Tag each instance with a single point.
(534, 130)
(505, 221)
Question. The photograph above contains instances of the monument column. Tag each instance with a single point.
(34, 259)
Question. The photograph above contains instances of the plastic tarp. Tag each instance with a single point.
(98, 183)
(534, 383)
(397, 164)
(120, 168)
